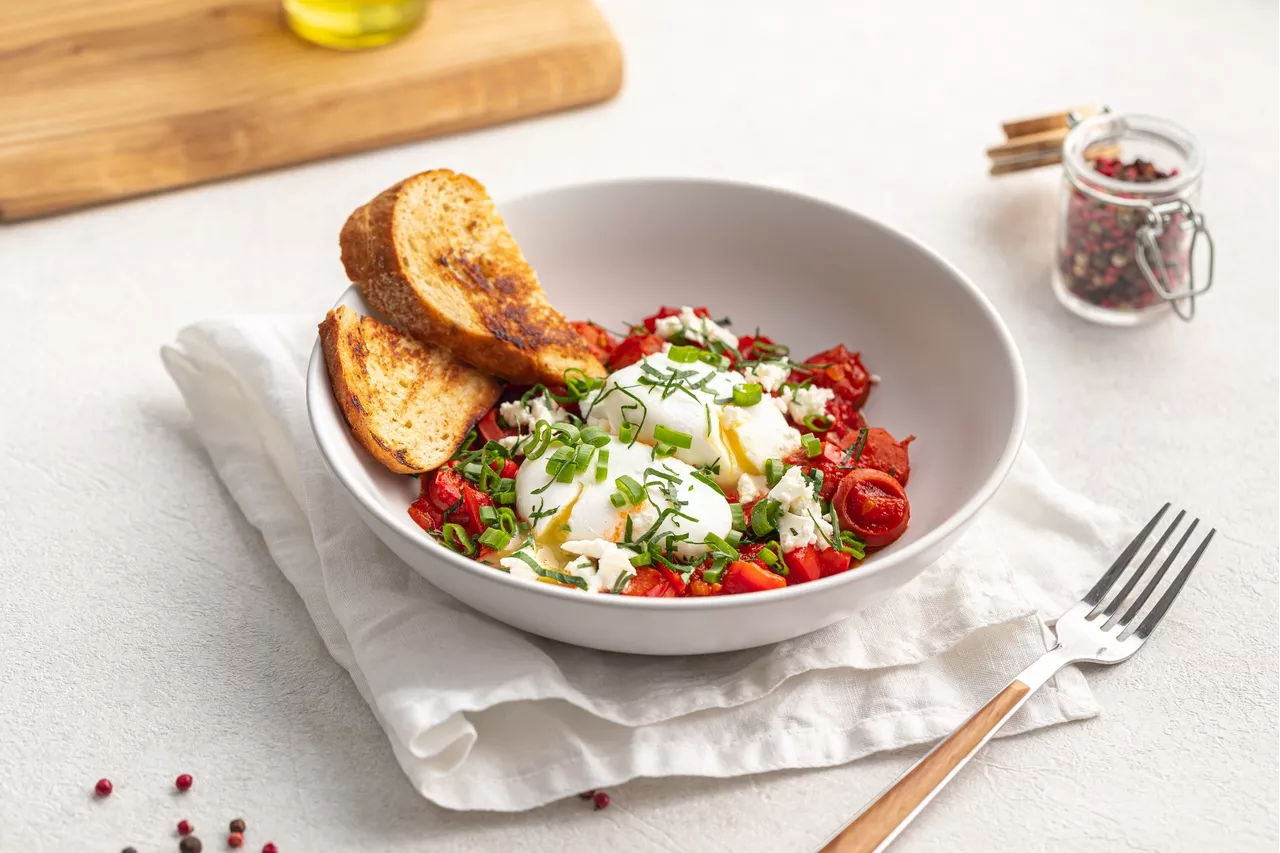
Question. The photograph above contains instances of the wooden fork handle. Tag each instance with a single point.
(880, 821)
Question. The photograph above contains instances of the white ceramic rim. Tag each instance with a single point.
(318, 382)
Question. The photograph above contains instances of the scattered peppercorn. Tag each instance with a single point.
(269, 848)
(183, 782)
(237, 825)
(190, 844)
(103, 788)
(235, 839)
(129, 850)
(601, 800)
(185, 827)
(586, 795)
(1097, 250)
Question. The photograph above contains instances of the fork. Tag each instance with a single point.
(1095, 630)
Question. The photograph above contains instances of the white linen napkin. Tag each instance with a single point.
(483, 716)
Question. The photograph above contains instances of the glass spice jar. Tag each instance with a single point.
(1127, 229)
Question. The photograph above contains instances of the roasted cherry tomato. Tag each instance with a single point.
(839, 370)
(599, 341)
(651, 322)
(650, 583)
(845, 418)
(633, 349)
(505, 468)
(884, 453)
(743, 576)
(490, 429)
(444, 488)
(803, 565)
(873, 505)
(424, 513)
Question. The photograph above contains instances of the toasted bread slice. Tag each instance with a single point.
(434, 256)
(407, 403)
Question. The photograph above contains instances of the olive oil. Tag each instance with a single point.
(353, 24)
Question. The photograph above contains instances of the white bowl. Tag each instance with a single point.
(811, 275)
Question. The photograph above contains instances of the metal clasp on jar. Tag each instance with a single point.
(1159, 217)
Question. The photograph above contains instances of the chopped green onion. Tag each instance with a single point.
(714, 359)
(539, 440)
(471, 470)
(748, 394)
(733, 537)
(507, 520)
(566, 433)
(812, 445)
(739, 517)
(665, 434)
(488, 515)
(629, 487)
(626, 432)
(488, 479)
(602, 466)
(684, 355)
(594, 436)
(707, 481)
(506, 498)
(582, 458)
(455, 537)
(717, 544)
(561, 459)
(773, 471)
(644, 558)
(618, 500)
(577, 383)
(765, 515)
(768, 556)
(817, 423)
(779, 568)
(495, 538)
(716, 571)
(663, 450)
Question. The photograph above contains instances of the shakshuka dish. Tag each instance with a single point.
(703, 463)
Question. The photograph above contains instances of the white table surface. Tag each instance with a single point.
(144, 631)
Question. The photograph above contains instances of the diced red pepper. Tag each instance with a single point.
(742, 576)
(633, 349)
(599, 341)
(425, 515)
(803, 565)
(673, 578)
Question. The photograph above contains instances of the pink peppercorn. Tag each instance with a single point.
(183, 782)
(601, 800)
(185, 827)
(103, 788)
(235, 839)
(269, 848)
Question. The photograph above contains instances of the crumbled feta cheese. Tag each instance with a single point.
(732, 417)
(509, 442)
(518, 567)
(696, 330)
(522, 416)
(802, 522)
(769, 374)
(791, 489)
(611, 563)
(804, 402)
(874, 378)
(750, 487)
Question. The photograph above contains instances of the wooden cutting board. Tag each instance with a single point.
(106, 99)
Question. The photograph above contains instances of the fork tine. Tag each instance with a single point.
(1137, 576)
(1155, 581)
(1153, 618)
(1117, 568)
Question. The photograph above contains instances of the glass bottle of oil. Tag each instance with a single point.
(353, 24)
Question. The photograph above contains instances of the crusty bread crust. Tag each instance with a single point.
(408, 404)
(432, 254)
